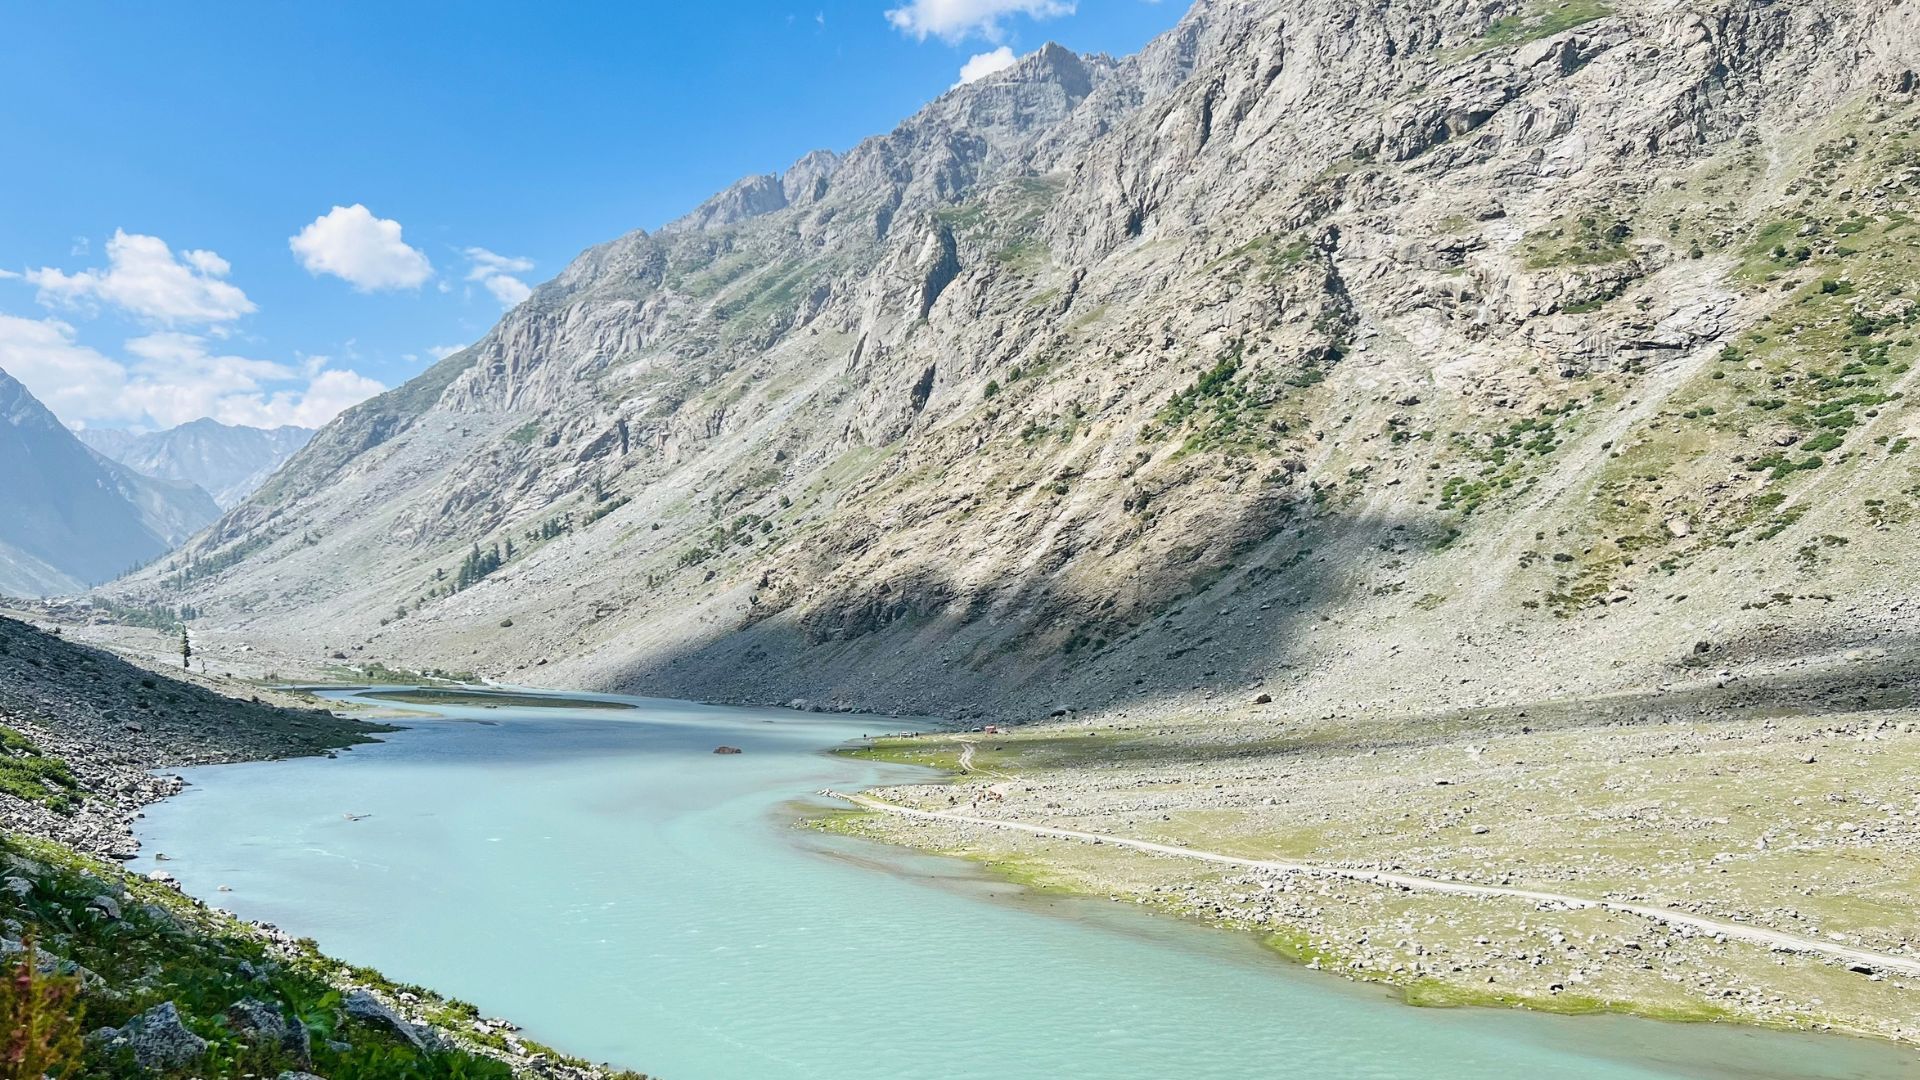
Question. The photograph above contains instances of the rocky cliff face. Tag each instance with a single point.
(1408, 352)
(226, 461)
(70, 518)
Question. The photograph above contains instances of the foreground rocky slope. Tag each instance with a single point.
(110, 975)
(1439, 353)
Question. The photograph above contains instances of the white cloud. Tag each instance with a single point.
(69, 378)
(144, 278)
(171, 378)
(981, 65)
(353, 245)
(496, 273)
(957, 20)
(441, 352)
(327, 396)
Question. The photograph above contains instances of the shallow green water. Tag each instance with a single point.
(628, 895)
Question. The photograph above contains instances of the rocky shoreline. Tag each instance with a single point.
(85, 731)
(1643, 800)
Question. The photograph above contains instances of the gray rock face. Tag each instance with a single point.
(160, 1041)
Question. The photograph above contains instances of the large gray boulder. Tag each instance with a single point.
(363, 1006)
(160, 1039)
(263, 1023)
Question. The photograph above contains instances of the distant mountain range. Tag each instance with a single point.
(72, 517)
(226, 460)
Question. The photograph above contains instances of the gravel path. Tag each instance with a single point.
(1771, 939)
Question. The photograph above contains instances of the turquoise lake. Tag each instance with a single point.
(604, 879)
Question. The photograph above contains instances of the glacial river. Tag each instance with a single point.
(605, 879)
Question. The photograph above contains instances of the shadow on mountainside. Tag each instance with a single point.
(1024, 648)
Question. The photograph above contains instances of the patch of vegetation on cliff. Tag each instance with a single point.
(1502, 460)
(1235, 405)
(1536, 21)
(198, 566)
(1811, 396)
(28, 773)
(1598, 238)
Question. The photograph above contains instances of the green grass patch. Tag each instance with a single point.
(28, 773)
(1535, 22)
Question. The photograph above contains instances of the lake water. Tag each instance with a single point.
(605, 879)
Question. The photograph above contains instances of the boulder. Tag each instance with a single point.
(262, 1023)
(364, 1007)
(160, 1039)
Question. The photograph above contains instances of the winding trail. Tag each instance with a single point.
(1776, 940)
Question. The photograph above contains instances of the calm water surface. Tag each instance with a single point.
(603, 878)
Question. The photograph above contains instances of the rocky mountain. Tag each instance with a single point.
(1400, 353)
(227, 461)
(73, 518)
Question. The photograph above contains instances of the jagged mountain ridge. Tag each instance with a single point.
(1310, 346)
(228, 461)
(73, 518)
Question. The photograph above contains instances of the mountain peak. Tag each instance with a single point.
(75, 518)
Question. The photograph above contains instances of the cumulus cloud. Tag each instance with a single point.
(981, 65)
(357, 247)
(144, 278)
(496, 273)
(441, 352)
(327, 396)
(957, 20)
(169, 378)
(74, 381)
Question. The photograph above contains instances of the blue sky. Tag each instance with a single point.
(263, 212)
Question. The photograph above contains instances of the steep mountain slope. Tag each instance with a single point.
(1408, 353)
(228, 461)
(72, 518)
